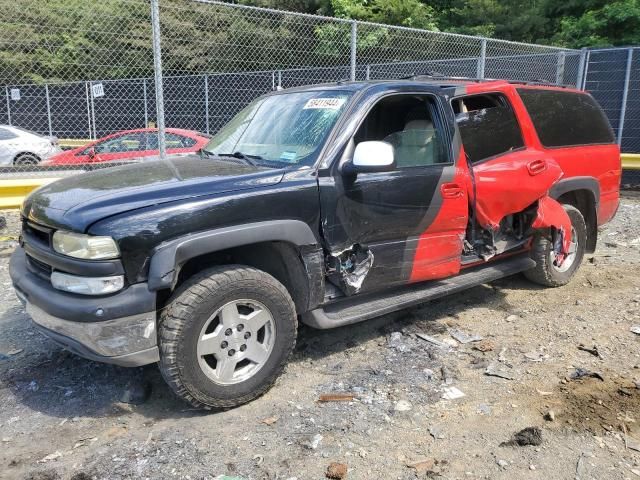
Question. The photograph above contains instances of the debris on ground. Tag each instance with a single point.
(422, 465)
(52, 456)
(337, 471)
(550, 416)
(579, 373)
(632, 444)
(502, 463)
(484, 346)
(436, 432)
(402, 406)
(336, 397)
(312, 442)
(526, 436)
(593, 350)
(497, 370)
(396, 341)
(269, 420)
(463, 337)
(452, 393)
(434, 341)
(635, 329)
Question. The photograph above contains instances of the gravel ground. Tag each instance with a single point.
(63, 417)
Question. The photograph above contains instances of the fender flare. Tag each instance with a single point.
(169, 257)
(589, 184)
(576, 183)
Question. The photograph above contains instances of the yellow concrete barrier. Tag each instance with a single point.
(72, 142)
(13, 191)
(630, 161)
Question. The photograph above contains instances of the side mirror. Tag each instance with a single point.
(371, 157)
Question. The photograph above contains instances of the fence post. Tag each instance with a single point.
(88, 110)
(206, 101)
(368, 72)
(482, 59)
(144, 96)
(157, 70)
(8, 105)
(279, 80)
(625, 95)
(46, 91)
(581, 68)
(93, 112)
(354, 45)
(560, 67)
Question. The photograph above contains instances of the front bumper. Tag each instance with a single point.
(124, 333)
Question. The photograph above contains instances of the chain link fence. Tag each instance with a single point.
(76, 71)
(612, 76)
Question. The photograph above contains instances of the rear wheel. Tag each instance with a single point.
(226, 336)
(26, 159)
(546, 272)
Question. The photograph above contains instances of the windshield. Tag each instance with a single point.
(287, 128)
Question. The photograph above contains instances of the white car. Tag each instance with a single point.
(22, 147)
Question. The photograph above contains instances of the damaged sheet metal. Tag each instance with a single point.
(509, 186)
(552, 214)
(351, 267)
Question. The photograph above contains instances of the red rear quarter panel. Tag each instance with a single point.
(601, 162)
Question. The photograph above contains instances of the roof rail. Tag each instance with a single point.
(438, 76)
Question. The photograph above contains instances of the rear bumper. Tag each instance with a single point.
(124, 334)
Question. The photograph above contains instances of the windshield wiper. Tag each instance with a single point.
(243, 156)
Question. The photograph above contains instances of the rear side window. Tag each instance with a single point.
(488, 126)
(564, 119)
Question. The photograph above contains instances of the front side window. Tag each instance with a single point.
(488, 126)
(132, 142)
(409, 123)
(288, 128)
(564, 119)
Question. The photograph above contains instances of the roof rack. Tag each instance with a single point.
(429, 75)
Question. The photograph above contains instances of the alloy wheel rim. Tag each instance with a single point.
(236, 341)
(571, 255)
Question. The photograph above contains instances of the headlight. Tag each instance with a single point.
(87, 285)
(85, 246)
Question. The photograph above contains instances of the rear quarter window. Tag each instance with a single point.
(564, 119)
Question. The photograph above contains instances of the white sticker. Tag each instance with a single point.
(15, 94)
(324, 103)
(98, 90)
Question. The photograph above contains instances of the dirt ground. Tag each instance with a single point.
(62, 416)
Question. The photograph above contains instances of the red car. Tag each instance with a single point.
(131, 145)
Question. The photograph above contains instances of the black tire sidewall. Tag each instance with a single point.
(195, 380)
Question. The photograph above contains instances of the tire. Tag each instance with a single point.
(545, 272)
(211, 317)
(25, 159)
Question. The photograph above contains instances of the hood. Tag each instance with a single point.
(76, 202)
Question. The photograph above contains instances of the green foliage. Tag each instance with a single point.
(83, 39)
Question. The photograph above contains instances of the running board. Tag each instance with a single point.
(363, 307)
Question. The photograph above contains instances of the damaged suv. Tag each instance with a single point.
(329, 205)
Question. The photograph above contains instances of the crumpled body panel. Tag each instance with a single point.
(508, 186)
(552, 214)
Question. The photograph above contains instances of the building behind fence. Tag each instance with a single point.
(87, 70)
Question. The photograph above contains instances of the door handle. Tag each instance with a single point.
(451, 190)
(536, 166)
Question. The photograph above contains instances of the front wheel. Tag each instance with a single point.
(546, 272)
(226, 336)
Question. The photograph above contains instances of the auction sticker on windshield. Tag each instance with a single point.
(324, 103)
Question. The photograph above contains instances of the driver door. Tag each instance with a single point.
(401, 226)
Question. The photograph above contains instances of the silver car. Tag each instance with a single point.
(22, 147)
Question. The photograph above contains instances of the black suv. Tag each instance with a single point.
(330, 204)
